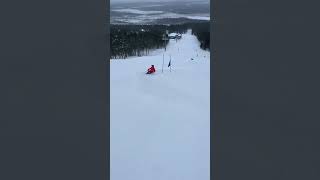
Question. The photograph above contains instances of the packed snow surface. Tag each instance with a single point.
(160, 123)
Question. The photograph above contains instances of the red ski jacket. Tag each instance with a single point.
(152, 69)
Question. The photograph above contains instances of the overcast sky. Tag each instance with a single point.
(116, 1)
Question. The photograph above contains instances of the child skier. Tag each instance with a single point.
(151, 70)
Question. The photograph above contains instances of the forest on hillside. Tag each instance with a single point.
(138, 40)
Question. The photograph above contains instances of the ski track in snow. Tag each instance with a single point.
(160, 123)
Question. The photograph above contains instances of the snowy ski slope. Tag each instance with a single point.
(160, 123)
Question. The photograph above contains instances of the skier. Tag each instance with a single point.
(151, 70)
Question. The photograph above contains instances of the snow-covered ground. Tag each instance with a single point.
(160, 123)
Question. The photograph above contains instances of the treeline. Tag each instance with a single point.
(202, 32)
(128, 40)
(139, 40)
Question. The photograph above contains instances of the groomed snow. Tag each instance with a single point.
(160, 123)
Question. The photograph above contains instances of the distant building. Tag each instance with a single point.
(174, 36)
